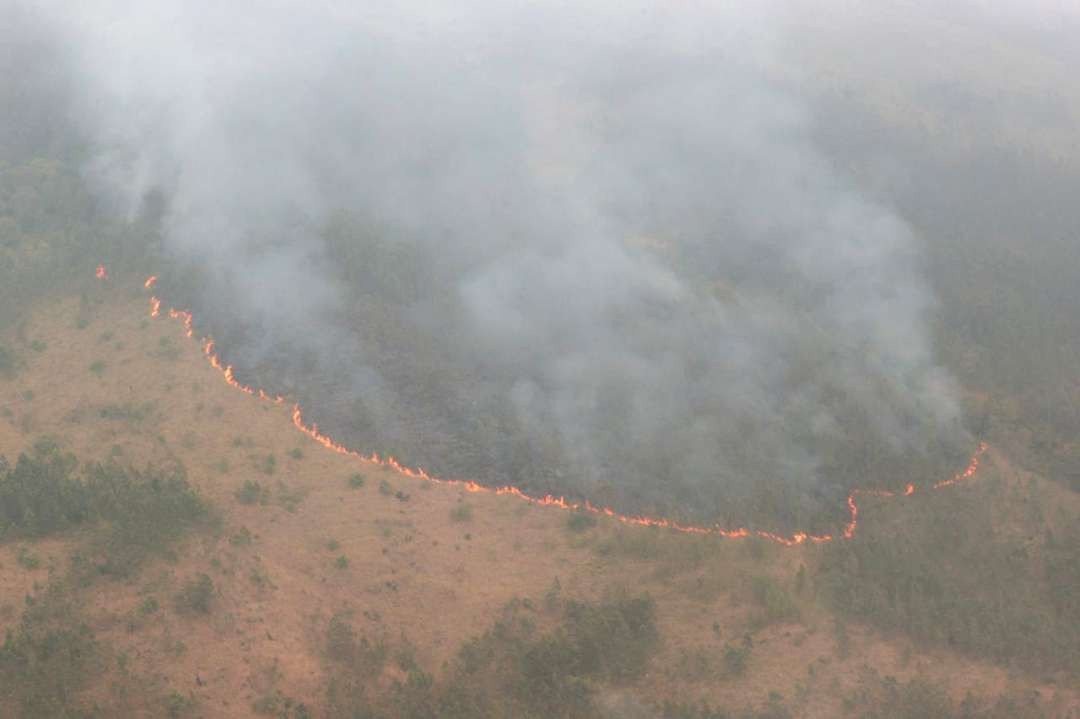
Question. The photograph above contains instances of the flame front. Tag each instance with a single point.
(390, 463)
(101, 273)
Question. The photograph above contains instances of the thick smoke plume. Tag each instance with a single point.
(574, 247)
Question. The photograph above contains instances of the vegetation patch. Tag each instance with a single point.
(580, 521)
(140, 512)
(196, 596)
(462, 513)
(878, 697)
(933, 581)
(7, 362)
(252, 492)
(47, 658)
(511, 670)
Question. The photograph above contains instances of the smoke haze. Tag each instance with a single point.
(581, 249)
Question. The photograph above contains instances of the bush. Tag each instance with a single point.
(879, 697)
(40, 494)
(280, 706)
(47, 658)
(147, 512)
(356, 481)
(579, 521)
(775, 601)
(196, 596)
(462, 513)
(7, 361)
(127, 411)
(932, 584)
(508, 671)
(774, 709)
(736, 658)
(27, 560)
(612, 640)
(142, 512)
(251, 492)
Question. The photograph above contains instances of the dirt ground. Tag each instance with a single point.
(105, 380)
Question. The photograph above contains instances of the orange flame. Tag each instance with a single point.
(101, 273)
(390, 463)
(187, 320)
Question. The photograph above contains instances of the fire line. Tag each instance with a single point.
(388, 462)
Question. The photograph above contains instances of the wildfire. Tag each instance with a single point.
(101, 273)
(390, 463)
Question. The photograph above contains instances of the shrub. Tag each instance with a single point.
(47, 658)
(7, 361)
(97, 367)
(127, 411)
(356, 481)
(612, 640)
(359, 653)
(508, 671)
(27, 560)
(143, 512)
(280, 706)
(736, 658)
(296, 453)
(251, 492)
(147, 512)
(41, 495)
(288, 498)
(579, 521)
(196, 596)
(911, 583)
(774, 599)
(878, 697)
(241, 538)
(461, 513)
(177, 705)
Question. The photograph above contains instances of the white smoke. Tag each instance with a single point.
(645, 253)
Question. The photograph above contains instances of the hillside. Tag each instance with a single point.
(307, 551)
